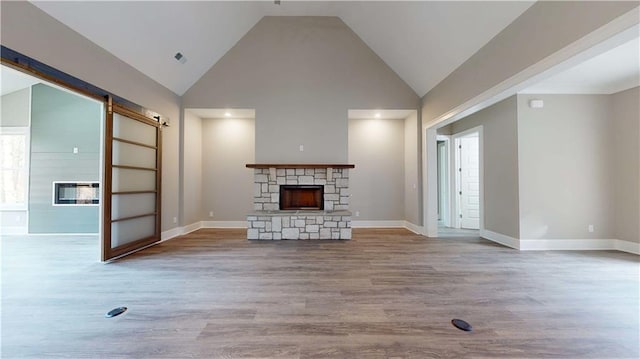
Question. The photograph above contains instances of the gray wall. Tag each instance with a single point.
(192, 162)
(377, 184)
(301, 74)
(625, 118)
(15, 108)
(61, 121)
(500, 156)
(565, 156)
(227, 185)
(56, 45)
(545, 28)
(412, 170)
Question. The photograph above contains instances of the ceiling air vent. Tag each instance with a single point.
(180, 57)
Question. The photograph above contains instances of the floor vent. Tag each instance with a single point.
(461, 324)
(115, 312)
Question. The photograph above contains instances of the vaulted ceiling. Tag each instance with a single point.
(615, 70)
(422, 41)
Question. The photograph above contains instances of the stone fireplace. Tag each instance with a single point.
(300, 202)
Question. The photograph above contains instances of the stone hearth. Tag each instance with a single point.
(268, 222)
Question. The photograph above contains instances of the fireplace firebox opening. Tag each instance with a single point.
(301, 197)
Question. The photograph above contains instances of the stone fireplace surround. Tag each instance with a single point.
(268, 222)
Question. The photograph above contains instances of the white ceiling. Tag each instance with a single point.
(222, 112)
(12, 80)
(613, 71)
(422, 41)
(379, 114)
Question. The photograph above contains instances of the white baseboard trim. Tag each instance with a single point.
(388, 224)
(500, 238)
(12, 231)
(171, 233)
(163, 238)
(378, 224)
(179, 231)
(521, 244)
(224, 224)
(591, 244)
(414, 228)
(63, 234)
(191, 227)
(626, 246)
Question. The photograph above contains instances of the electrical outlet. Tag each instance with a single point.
(590, 228)
(175, 219)
(357, 213)
(211, 214)
(75, 150)
(301, 148)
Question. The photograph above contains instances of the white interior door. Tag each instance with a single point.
(469, 181)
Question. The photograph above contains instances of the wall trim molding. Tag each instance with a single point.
(414, 228)
(62, 234)
(13, 230)
(590, 244)
(171, 233)
(628, 247)
(500, 238)
(520, 244)
(547, 244)
(179, 231)
(164, 236)
(566, 244)
(191, 227)
(389, 224)
(224, 224)
(378, 224)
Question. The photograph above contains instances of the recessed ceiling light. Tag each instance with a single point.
(227, 114)
(377, 115)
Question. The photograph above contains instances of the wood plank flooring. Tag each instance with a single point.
(384, 294)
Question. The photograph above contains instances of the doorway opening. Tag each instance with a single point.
(467, 167)
(51, 141)
(444, 185)
(459, 181)
(76, 125)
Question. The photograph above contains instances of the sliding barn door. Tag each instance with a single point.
(131, 211)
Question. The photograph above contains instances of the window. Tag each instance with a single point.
(14, 167)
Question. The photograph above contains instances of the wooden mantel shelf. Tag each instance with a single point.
(298, 165)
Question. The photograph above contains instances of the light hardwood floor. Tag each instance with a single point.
(384, 294)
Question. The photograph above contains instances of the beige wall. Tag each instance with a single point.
(377, 184)
(301, 74)
(625, 119)
(412, 170)
(192, 169)
(565, 153)
(545, 28)
(227, 185)
(62, 48)
(500, 158)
